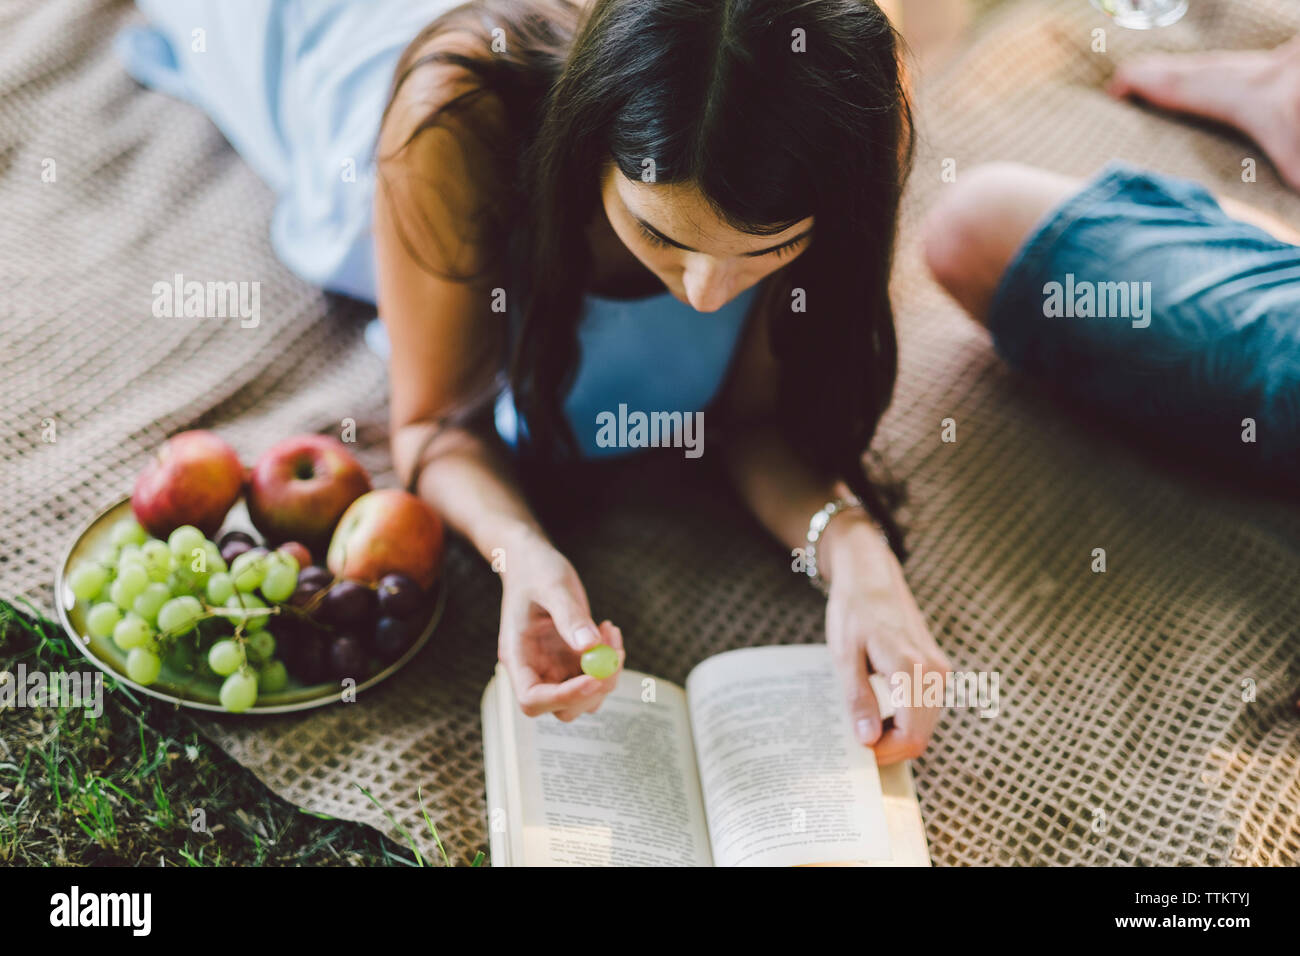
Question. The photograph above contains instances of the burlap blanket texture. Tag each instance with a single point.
(1122, 735)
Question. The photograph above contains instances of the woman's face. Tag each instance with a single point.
(672, 230)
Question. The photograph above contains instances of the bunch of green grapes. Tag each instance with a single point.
(179, 600)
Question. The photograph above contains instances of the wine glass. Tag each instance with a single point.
(1142, 14)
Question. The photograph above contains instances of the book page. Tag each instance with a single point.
(784, 781)
(903, 812)
(615, 788)
(499, 771)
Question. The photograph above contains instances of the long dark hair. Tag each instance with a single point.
(776, 109)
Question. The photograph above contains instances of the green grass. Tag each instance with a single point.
(123, 788)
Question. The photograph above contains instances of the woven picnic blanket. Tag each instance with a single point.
(1145, 712)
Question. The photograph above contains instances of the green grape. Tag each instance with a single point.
(106, 557)
(149, 601)
(281, 576)
(251, 622)
(220, 588)
(143, 666)
(261, 646)
(179, 614)
(133, 578)
(226, 657)
(196, 568)
(102, 618)
(87, 579)
(157, 559)
(248, 570)
(128, 531)
(131, 632)
(272, 678)
(183, 541)
(239, 692)
(182, 580)
(119, 595)
(128, 559)
(131, 553)
(600, 661)
(215, 561)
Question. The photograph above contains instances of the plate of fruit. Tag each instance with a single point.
(285, 586)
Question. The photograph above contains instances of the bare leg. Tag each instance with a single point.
(973, 232)
(1254, 91)
(1258, 217)
(976, 229)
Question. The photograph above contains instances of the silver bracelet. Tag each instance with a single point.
(816, 527)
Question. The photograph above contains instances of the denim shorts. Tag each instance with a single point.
(1142, 300)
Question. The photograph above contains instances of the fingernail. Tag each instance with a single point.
(587, 636)
(866, 730)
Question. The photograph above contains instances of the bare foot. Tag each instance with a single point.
(1256, 92)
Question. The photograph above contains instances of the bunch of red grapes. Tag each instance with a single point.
(329, 627)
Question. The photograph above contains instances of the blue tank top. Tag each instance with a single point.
(647, 356)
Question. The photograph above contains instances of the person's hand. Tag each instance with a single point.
(874, 625)
(546, 624)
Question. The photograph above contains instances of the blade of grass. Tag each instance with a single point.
(419, 796)
(118, 790)
(402, 829)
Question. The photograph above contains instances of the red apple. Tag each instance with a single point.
(300, 487)
(194, 479)
(385, 532)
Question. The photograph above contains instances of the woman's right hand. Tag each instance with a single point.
(546, 625)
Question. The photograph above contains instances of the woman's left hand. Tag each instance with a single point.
(874, 625)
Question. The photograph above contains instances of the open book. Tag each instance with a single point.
(752, 764)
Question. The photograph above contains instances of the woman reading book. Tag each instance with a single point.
(675, 206)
